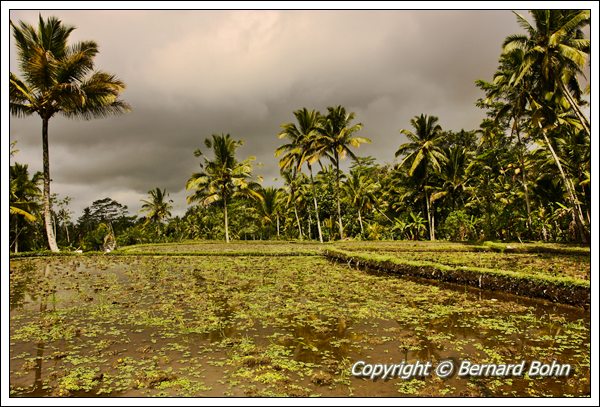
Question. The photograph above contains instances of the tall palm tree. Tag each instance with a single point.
(555, 51)
(509, 101)
(222, 178)
(339, 139)
(157, 208)
(424, 156)
(554, 54)
(292, 183)
(305, 146)
(59, 79)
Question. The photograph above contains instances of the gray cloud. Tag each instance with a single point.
(194, 73)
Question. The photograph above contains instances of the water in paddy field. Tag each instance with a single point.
(267, 326)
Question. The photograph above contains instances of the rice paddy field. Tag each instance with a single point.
(279, 319)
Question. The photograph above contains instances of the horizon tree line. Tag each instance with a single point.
(524, 174)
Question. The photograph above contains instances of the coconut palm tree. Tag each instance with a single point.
(455, 176)
(292, 183)
(59, 79)
(305, 146)
(554, 52)
(269, 207)
(157, 208)
(424, 156)
(360, 190)
(24, 198)
(338, 141)
(510, 101)
(223, 178)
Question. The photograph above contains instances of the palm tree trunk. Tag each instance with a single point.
(429, 219)
(16, 234)
(577, 214)
(312, 181)
(362, 230)
(226, 220)
(381, 212)
(277, 225)
(337, 194)
(432, 223)
(298, 222)
(54, 225)
(309, 222)
(67, 233)
(293, 196)
(587, 207)
(46, 196)
(576, 109)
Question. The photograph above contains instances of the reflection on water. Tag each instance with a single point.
(140, 326)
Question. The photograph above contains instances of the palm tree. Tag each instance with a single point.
(63, 215)
(360, 190)
(554, 53)
(424, 156)
(509, 100)
(157, 208)
(293, 182)
(59, 79)
(24, 195)
(222, 178)
(339, 138)
(305, 146)
(269, 206)
(455, 176)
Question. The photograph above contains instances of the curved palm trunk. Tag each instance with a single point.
(577, 214)
(46, 196)
(576, 109)
(362, 230)
(226, 219)
(587, 207)
(298, 222)
(337, 195)
(312, 181)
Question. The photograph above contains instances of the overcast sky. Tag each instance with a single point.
(193, 73)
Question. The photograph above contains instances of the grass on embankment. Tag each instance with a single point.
(239, 253)
(528, 277)
(442, 246)
(566, 290)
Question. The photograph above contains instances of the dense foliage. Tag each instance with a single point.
(524, 174)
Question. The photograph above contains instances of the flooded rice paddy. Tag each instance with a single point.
(269, 326)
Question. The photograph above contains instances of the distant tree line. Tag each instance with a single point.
(524, 174)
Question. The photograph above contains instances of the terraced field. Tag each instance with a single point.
(282, 325)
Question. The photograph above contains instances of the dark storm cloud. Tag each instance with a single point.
(194, 73)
